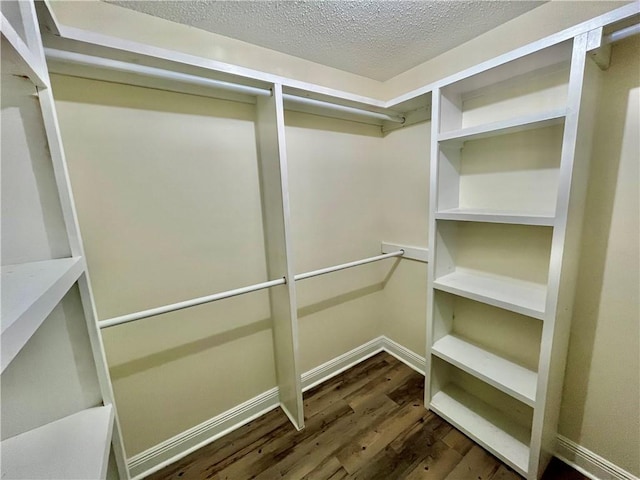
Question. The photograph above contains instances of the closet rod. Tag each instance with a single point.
(322, 271)
(187, 303)
(154, 72)
(622, 33)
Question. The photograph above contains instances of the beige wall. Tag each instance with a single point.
(601, 401)
(335, 185)
(168, 200)
(405, 221)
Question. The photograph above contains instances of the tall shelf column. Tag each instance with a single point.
(509, 166)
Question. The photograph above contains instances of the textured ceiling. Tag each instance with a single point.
(377, 39)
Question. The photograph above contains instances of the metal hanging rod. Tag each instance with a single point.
(152, 312)
(622, 33)
(188, 303)
(322, 271)
(154, 72)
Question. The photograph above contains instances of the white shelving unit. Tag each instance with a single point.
(49, 337)
(514, 125)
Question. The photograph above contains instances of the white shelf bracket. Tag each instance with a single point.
(420, 254)
(599, 50)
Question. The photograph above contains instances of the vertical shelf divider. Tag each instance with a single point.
(276, 218)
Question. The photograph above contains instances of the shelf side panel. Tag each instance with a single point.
(276, 217)
(574, 171)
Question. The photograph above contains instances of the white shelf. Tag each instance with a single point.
(543, 219)
(17, 56)
(30, 291)
(487, 426)
(526, 298)
(512, 379)
(504, 127)
(74, 447)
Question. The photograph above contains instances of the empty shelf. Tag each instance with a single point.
(30, 291)
(496, 216)
(487, 426)
(514, 380)
(504, 127)
(526, 298)
(74, 447)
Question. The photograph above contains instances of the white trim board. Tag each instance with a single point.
(588, 463)
(181, 445)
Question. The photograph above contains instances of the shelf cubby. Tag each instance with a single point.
(511, 94)
(494, 420)
(506, 178)
(74, 447)
(484, 262)
(506, 376)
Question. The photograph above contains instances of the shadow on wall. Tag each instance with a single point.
(316, 122)
(130, 97)
(172, 354)
(348, 296)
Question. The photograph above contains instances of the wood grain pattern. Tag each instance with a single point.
(368, 423)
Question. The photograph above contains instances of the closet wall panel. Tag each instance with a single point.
(405, 213)
(335, 186)
(168, 194)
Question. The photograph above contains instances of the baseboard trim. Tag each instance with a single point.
(181, 445)
(588, 463)
(405, 355)
(336, 366)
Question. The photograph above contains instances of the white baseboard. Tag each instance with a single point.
(588, 463)
(181, 445)
(339, 364)
(405, 355)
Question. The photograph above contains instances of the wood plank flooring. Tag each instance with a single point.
(368, 423)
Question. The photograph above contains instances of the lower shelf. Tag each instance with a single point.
(74, 447)
(487, 426)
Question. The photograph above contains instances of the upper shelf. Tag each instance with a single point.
(526, 298)
(30, 291)
(487, 215)
(503, 127)
(17, 58)
(74, 447)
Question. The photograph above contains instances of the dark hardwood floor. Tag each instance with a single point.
(367, 423)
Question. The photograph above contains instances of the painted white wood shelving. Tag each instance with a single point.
(523, 124)
(49, 337)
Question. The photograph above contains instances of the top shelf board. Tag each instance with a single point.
(541, 60)
(504, 127)
(30, 291)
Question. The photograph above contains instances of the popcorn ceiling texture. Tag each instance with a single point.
(375, 39)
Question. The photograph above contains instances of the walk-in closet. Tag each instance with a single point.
(223, 260)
